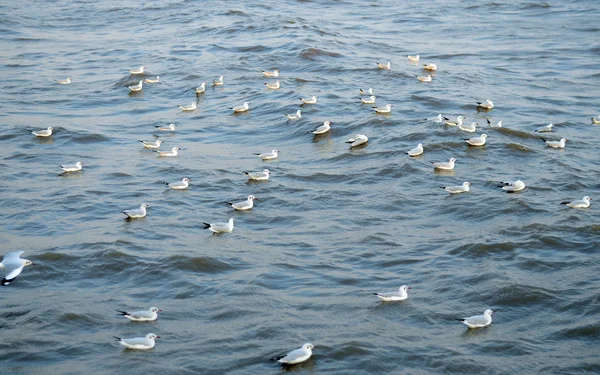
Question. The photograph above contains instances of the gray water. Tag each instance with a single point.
(334, 224)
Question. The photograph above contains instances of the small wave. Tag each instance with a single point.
(315, 53)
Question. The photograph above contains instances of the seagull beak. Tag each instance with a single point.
(159, 310)
(409, 287)
(158, 337)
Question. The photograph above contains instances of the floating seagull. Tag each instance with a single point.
(416, 151)
(135, 214)
(138, 87)
(218, 82)
(386, 109)
(492, 125)
(170, 128)
(323, 128)
(488, 104)
(259, 176)
(242, 108)
(384, 66)
(476, 141)
(312, 100)
(191, 107)
(294, 116)
(295, 356)
(220, 227)
(140, 70)
(400, 295)
(141, 316)
(544, 129)
(72, 167)
(369, 100)
(273, 74)
(44, 132)
(444, 165)
(13, 264)
(273, 86)
(581, 203)
(424, 79)
(438, 119)
(245, 205)
(139, 342)
(64, 81)
(459, 121)
(596, 120)
(468, 128)
(512, 186)
(478, 321)
(413, 58)
(201, 89)
(464, 188)
(173, 152)
(368, 92)
(268, 155)
(179, 185)
(358, 140)
(430, 67)
(152, 144)
(555, 144)
(152, 80)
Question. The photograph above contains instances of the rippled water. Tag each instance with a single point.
(333, 225)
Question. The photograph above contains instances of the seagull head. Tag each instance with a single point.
(27, 262)
(50, 128)
(155, 309)
(79, 164)
(185, 179)
(452, 160)
(175, 149)
(586, 198)
(145, 205)
(483, 136)
(152, 336)
(246, 104)
(266, 171)
(308, 346)
(404, 288)
(488, 312)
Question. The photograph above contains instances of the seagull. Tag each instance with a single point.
(173, 152)
(444, 165)
(581, 203)
(512, 186)
(220, 227)
(139, 342)
(464, 188)
(476, 141)
(438, 119)
(259, 176)
(218, 82)
(201, 89)
(191, 107)
(268, 155)
(245, 205)
(384, 66)
(369, 100)
(152, 144)
(273, 74)
(294, 116)
(242, 108)
(416, 151)
(432, 67)
(152, 80)
(64, 81)
(478, 321)
(295, 356)
(323, 128)
(72, 167)
(13, 264)
(273, 86)
(358, 140)
(488, 104)
(44, 132)
(170, 128)
(140, 70)
(413, 58)
(400, 295)
(424, 79)
(386, 109)
(555, 144)
(138, 87)
(492, 125)
(135, 214)
(179, 185)
(468, 128)
(370, 91)
(596, 120)
(544, 129)
(459, 121)
(141, 316)
(312, 100)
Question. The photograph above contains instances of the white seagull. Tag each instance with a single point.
(358, 140)
(13, 264)
(468, 128)
(581, 203)
(173, 152)
(201, 89)
(139, 70)
(400, 295)
(414, 58)
(139, 342)
(273, 74)
(476, 141)
(244, 205)
(191, 107)
(492, 125)
(449, 165)
(488, 104)
(459, 121)
(136, 214)
(323, 128)
(432, 67)
(416, 151)
(545, 128)
(464, 188)
(170, 128)
(427, 78)
(295, 356)
(312, 100)
(259, 176)
(72, 167)
(152, 80)
(268, 155)
(152, 144)
(273, 86)
(555, 144)
(370, 91)
(138, 87)
(43, 132)
(220, 227)
(219, 82)
(512, 186)
(478, 321)
(369, 100)
(243, 108)
(386, 109)
(294, 116)
(596, 120)
(64, 81)
(179, 185)
(141, 316)
(385, 66)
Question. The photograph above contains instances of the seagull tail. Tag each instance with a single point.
(247, 173)
(206, 225)
(543, 139)
(122, 313)
(460, 320)
(6, 281)
(276, 358)
(565, 202)
(443, 187)
(229, 204)
(118, 338)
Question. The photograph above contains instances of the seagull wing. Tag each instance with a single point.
(12, 274)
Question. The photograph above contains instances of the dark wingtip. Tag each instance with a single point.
(122, 312)
(460, 320)
(443, 187)
(118, 338)
(206, 225)
(228, 203)
(6, 281)
(564, 202)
